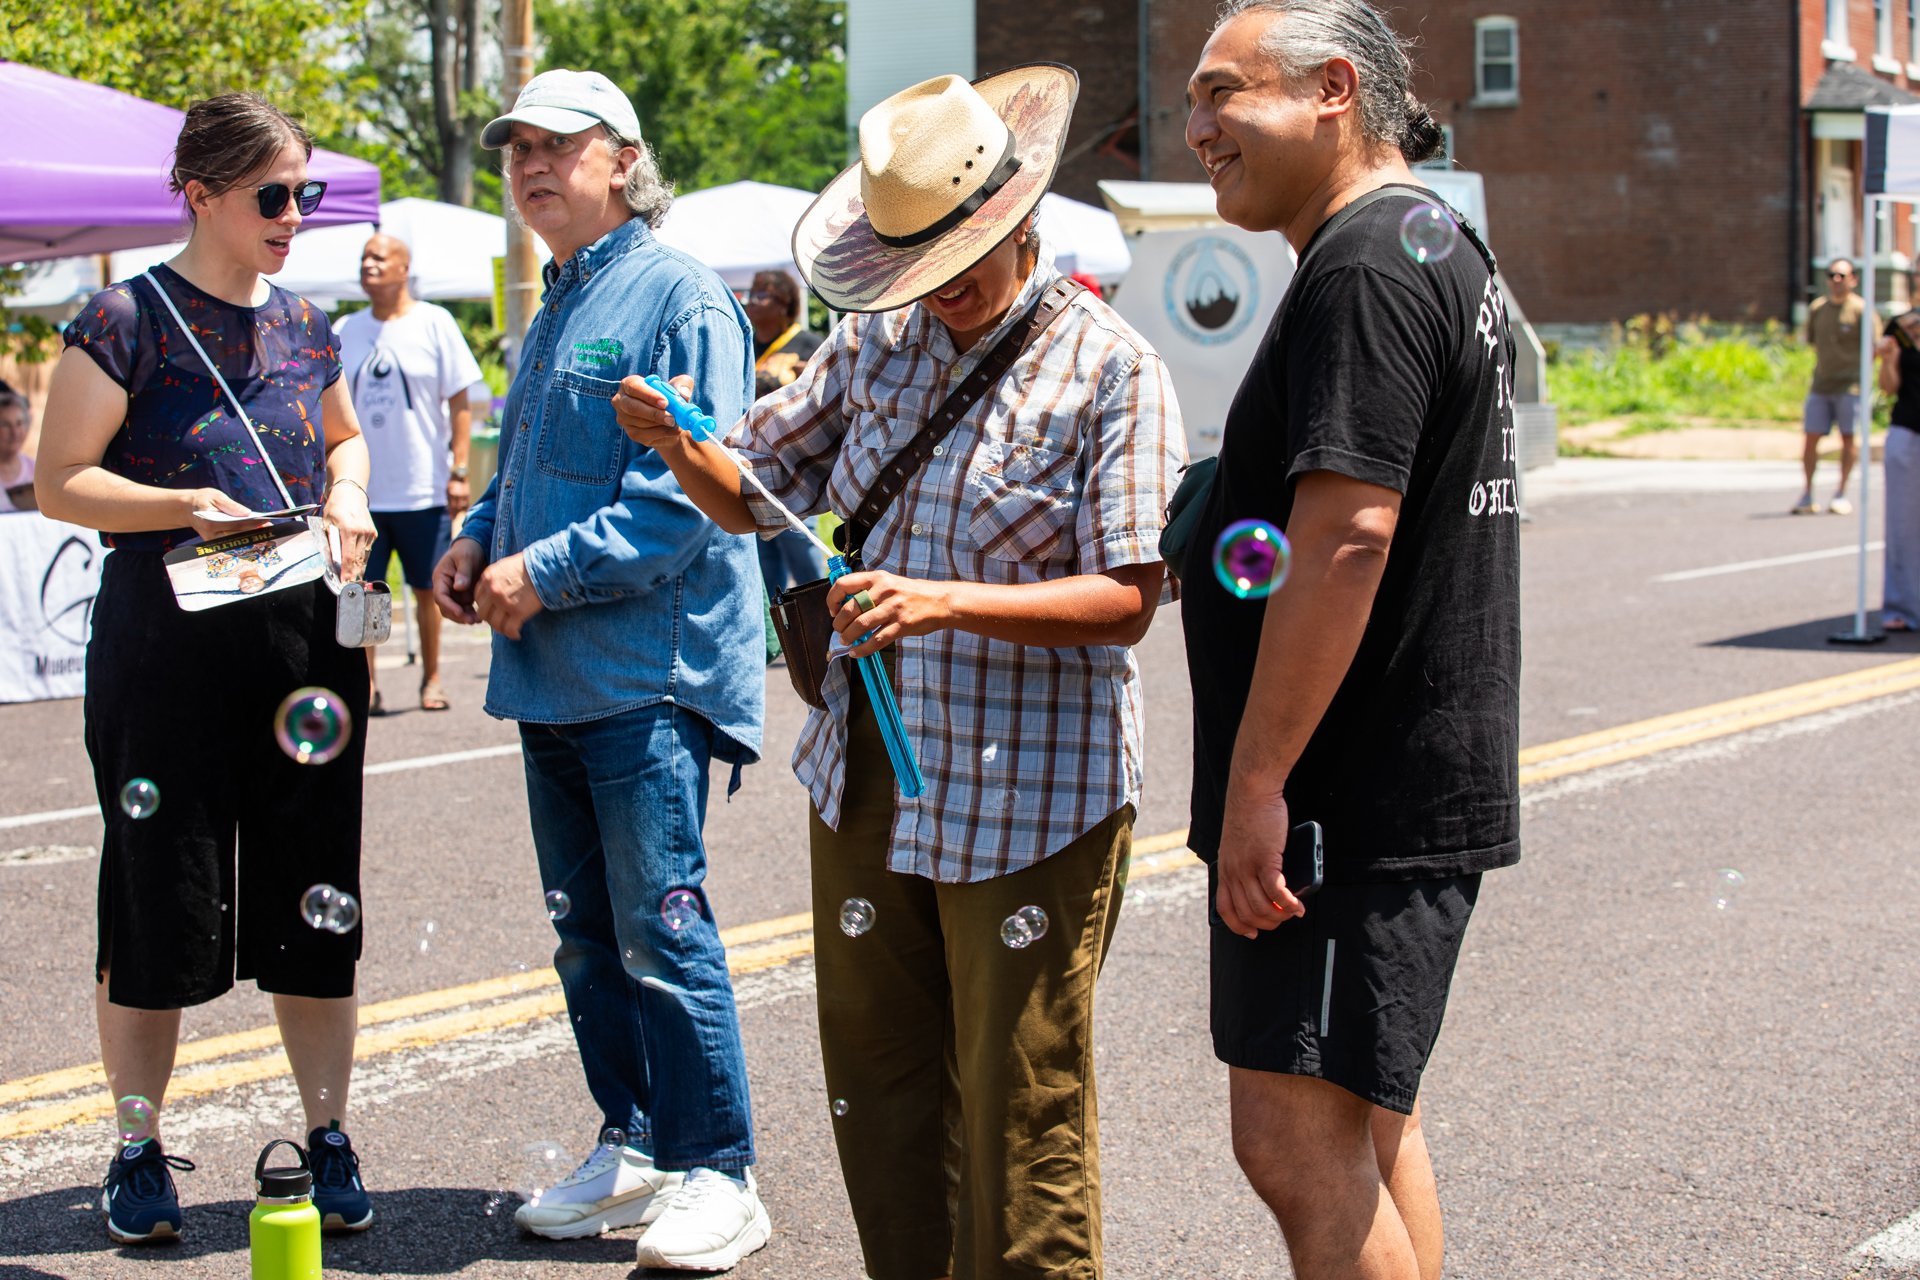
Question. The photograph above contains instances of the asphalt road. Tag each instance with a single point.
(1632, 1082)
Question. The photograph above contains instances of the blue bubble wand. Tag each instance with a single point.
(893, 731)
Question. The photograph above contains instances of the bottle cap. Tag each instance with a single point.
(282, 1182)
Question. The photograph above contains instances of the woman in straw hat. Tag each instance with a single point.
(1009, 567)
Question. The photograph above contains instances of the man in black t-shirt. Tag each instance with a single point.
(1375, 691)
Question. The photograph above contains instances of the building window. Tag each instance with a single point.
(1837, 45)
(1496, 61)
(1883, 59)
(1913, 37)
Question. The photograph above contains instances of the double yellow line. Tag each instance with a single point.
(72, 1095)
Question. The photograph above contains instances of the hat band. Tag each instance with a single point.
(1001, 175)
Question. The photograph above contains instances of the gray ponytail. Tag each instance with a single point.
(1317, 31)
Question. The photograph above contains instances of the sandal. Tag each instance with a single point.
(1896, 624)
(432, 696)
(378, 706)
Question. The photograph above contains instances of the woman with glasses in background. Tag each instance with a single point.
(213, 835)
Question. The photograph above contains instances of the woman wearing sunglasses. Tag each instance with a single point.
(187, 398)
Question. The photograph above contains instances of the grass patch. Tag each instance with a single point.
(1662, 370)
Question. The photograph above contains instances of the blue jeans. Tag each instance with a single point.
(618, 805)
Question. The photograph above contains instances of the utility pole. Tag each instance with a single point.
(523, 267)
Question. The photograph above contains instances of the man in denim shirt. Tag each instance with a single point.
(628, 644)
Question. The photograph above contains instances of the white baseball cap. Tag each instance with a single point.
(564, 101)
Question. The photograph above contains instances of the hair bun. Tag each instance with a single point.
(1422, 138)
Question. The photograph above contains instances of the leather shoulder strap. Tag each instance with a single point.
(903, 466)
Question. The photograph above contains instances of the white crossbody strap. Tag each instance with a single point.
(232, 399)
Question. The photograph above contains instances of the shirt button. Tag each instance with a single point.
(919, 528)
(939, 450)
(538, 365)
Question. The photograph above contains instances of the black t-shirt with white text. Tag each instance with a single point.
(1400, 374)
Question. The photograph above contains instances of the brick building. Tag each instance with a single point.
(1692, 156)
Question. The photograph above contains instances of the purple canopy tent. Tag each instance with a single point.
(83, 169)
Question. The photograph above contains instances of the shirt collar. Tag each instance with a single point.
(628, 235)
(923, 330)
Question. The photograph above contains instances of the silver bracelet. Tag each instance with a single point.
(350, 480)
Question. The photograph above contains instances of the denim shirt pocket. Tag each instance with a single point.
(579, 439)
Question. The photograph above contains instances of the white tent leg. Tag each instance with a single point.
(1869, 335)
(406, 618)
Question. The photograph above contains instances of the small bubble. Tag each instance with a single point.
(495, 1203)
(424, 943)
(1251, 558)
(680, 909)
(313, 725)
(613, 1137)
(1428, 233)
(1727, 884)
(856, 917)
(839, 1106)
(1024, 928)
(558, 905)
(139, 798)
(541, 1165)
(325, 907)
(133, 1115)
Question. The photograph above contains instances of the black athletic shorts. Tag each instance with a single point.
(188, 701)
(1351, 993)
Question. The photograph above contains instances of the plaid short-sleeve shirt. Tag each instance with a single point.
(1062, 468)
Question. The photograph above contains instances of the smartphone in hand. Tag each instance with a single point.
(1304, 862)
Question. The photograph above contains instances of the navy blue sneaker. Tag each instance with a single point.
(137, 1196)
(338, 1193)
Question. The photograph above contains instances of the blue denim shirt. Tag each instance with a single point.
(646, 600)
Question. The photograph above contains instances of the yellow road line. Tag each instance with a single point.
(478, 1007)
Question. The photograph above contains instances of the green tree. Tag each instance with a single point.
(174, 51)
(425, 90)
(726, 89)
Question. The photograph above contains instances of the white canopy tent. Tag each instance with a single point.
(1892, 162)
(452, 250)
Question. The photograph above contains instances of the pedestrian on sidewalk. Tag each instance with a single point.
(1899, 350)
(1833, 331)
(628, 644)
(206, 860)
(1007, 560)
(1375, 691)
(409, 368)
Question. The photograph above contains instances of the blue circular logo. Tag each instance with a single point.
(1212, 290)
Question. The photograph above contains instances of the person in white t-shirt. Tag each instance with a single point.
(408, 368)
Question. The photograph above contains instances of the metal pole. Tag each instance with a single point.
(522, 266)
(1869, 333)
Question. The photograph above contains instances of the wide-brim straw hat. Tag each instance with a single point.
(947, 171)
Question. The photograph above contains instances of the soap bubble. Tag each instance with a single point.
(139, 798)
(1428, 233)
(856, 917)
(1251, 558)
(325, 907)
(134, 1117)
(680, 909)
(558, 904)
(494, 1203)
(1024, 927)
(542, 1164)
(839, 1106)
(425, 942)
(1727, 884)
(313, 725)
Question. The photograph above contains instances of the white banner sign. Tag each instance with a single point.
(49, 574)
(1202, 299)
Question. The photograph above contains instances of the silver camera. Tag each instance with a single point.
(363, 615)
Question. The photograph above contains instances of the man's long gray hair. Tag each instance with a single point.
(1317, 31)
(648, 194)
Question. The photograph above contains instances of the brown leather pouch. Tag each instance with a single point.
(805, 628)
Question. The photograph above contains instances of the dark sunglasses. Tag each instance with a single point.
(1831, 275)
(275, 195)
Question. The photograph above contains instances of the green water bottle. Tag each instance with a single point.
(283, 1231)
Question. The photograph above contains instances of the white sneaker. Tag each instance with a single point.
(711, 1223)
(616, 1186)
